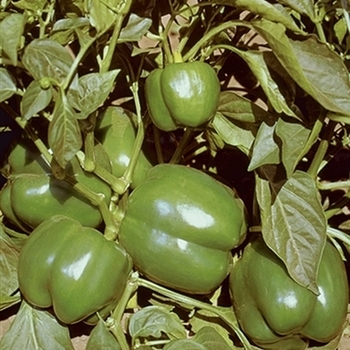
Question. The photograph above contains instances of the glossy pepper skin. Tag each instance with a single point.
(72, 268)
(32, 194)
(115, 129)
(275, 311)
(177, 230)
(182, 95)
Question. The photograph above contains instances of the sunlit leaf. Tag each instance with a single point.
(64, 133)
(101, 338)
(35, 99)
(47, 58)
(7, 85)
(293, 224)
(11, 29)
(312, 64)
(35, 329)
(155, 320)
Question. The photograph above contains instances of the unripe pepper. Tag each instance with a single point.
(32, 194)
(116, 130)
(180, 226)
(276, 312)
(182, 95)
(72, 268)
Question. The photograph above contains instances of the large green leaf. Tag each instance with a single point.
(11, 29)
(102, 339)
(293, 223)
(47, 58)
(264, 9)
(296, 141)
(34, 329)
(155, 320)
(7, 85)
(234, 134)
(312, 64)
(265, 150)
(64, 134)
(35, 99)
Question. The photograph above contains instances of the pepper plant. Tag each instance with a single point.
(163, 161)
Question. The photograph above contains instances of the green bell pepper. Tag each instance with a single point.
(180, 226)
(72, 268)
(116, 130)
(182, 95)
(32, 194)
(276, 312)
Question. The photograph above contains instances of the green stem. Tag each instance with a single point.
(139, 136)
(76, 63)
(320, 32)
(195, 48)
(181, 147)
(342, 236)
(119, 186)
(118, 312)
(321, 150)
(97, 199)
(159, 152)
(333, 185)
(106, 63)
(221, 312)
(337, 207)
(90, 160)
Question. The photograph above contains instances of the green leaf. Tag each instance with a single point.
(47, 58)
(295, 142)
(207, 338)
(293, 223)
(34, 329)
(9, 253)
(94, 88)
(11, 29)
(265, 150)
(8, 301)
(64, 30)
(233, 134)
(304, 7)
(202, 318)
(312, 64)
(30, 5)
(264, 9)
(35, 99)
(256, 62)
(241, 109)
(101, 338)
(7, 85)
(64, 134)
(155, 320)
(339, 118)
(104, 13)
(135, 28)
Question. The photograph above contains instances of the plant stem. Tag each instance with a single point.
(181, 147)
(76, 63)
(139, 135)
(338, 206)
(118, 312)
(106, 63)
(321, 150)
(221, 312)
(195, 48)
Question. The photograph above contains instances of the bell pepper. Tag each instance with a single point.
(73, 269)
(180, 226)
(115, 129)
(184, 94)
(32, 194)
(277, 313)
